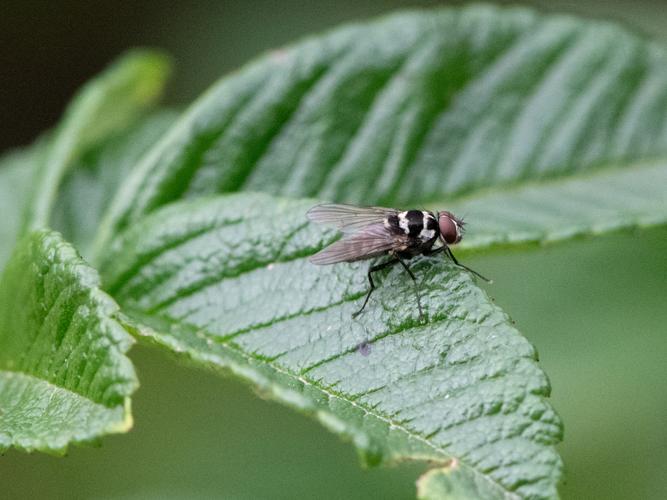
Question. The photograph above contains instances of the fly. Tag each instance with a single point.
(375, 231)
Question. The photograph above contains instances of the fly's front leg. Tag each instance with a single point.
(373, 269)
(448, 253)
(451, 256)
(437, 250)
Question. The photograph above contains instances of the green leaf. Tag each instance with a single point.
(454, 482)
(226, 282)
(105, 106)
(91, 182)
(64, 376)
(416, 107)
(540, 212)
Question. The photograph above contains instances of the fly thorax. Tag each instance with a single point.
(429, 227)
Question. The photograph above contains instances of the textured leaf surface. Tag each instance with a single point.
(226, 281)
(413, 108)
(64, 377)
(105, 106)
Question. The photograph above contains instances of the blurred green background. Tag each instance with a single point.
(595, 308)
(49, 49)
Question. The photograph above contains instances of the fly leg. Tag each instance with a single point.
(448, 251)
(414, 280)
(433, 252)
(375, 268)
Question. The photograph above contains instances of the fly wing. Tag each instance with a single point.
(370, 241)
(348, 218)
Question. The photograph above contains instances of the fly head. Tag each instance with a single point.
(451, 228)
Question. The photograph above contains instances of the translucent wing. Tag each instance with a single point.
(348, 218)
(369, 241)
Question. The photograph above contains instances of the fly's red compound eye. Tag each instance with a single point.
(449, 228)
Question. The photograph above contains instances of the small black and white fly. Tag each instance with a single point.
(374, 231)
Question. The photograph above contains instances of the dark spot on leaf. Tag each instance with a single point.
(364, 348)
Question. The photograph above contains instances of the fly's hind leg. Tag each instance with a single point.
(373, 269)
